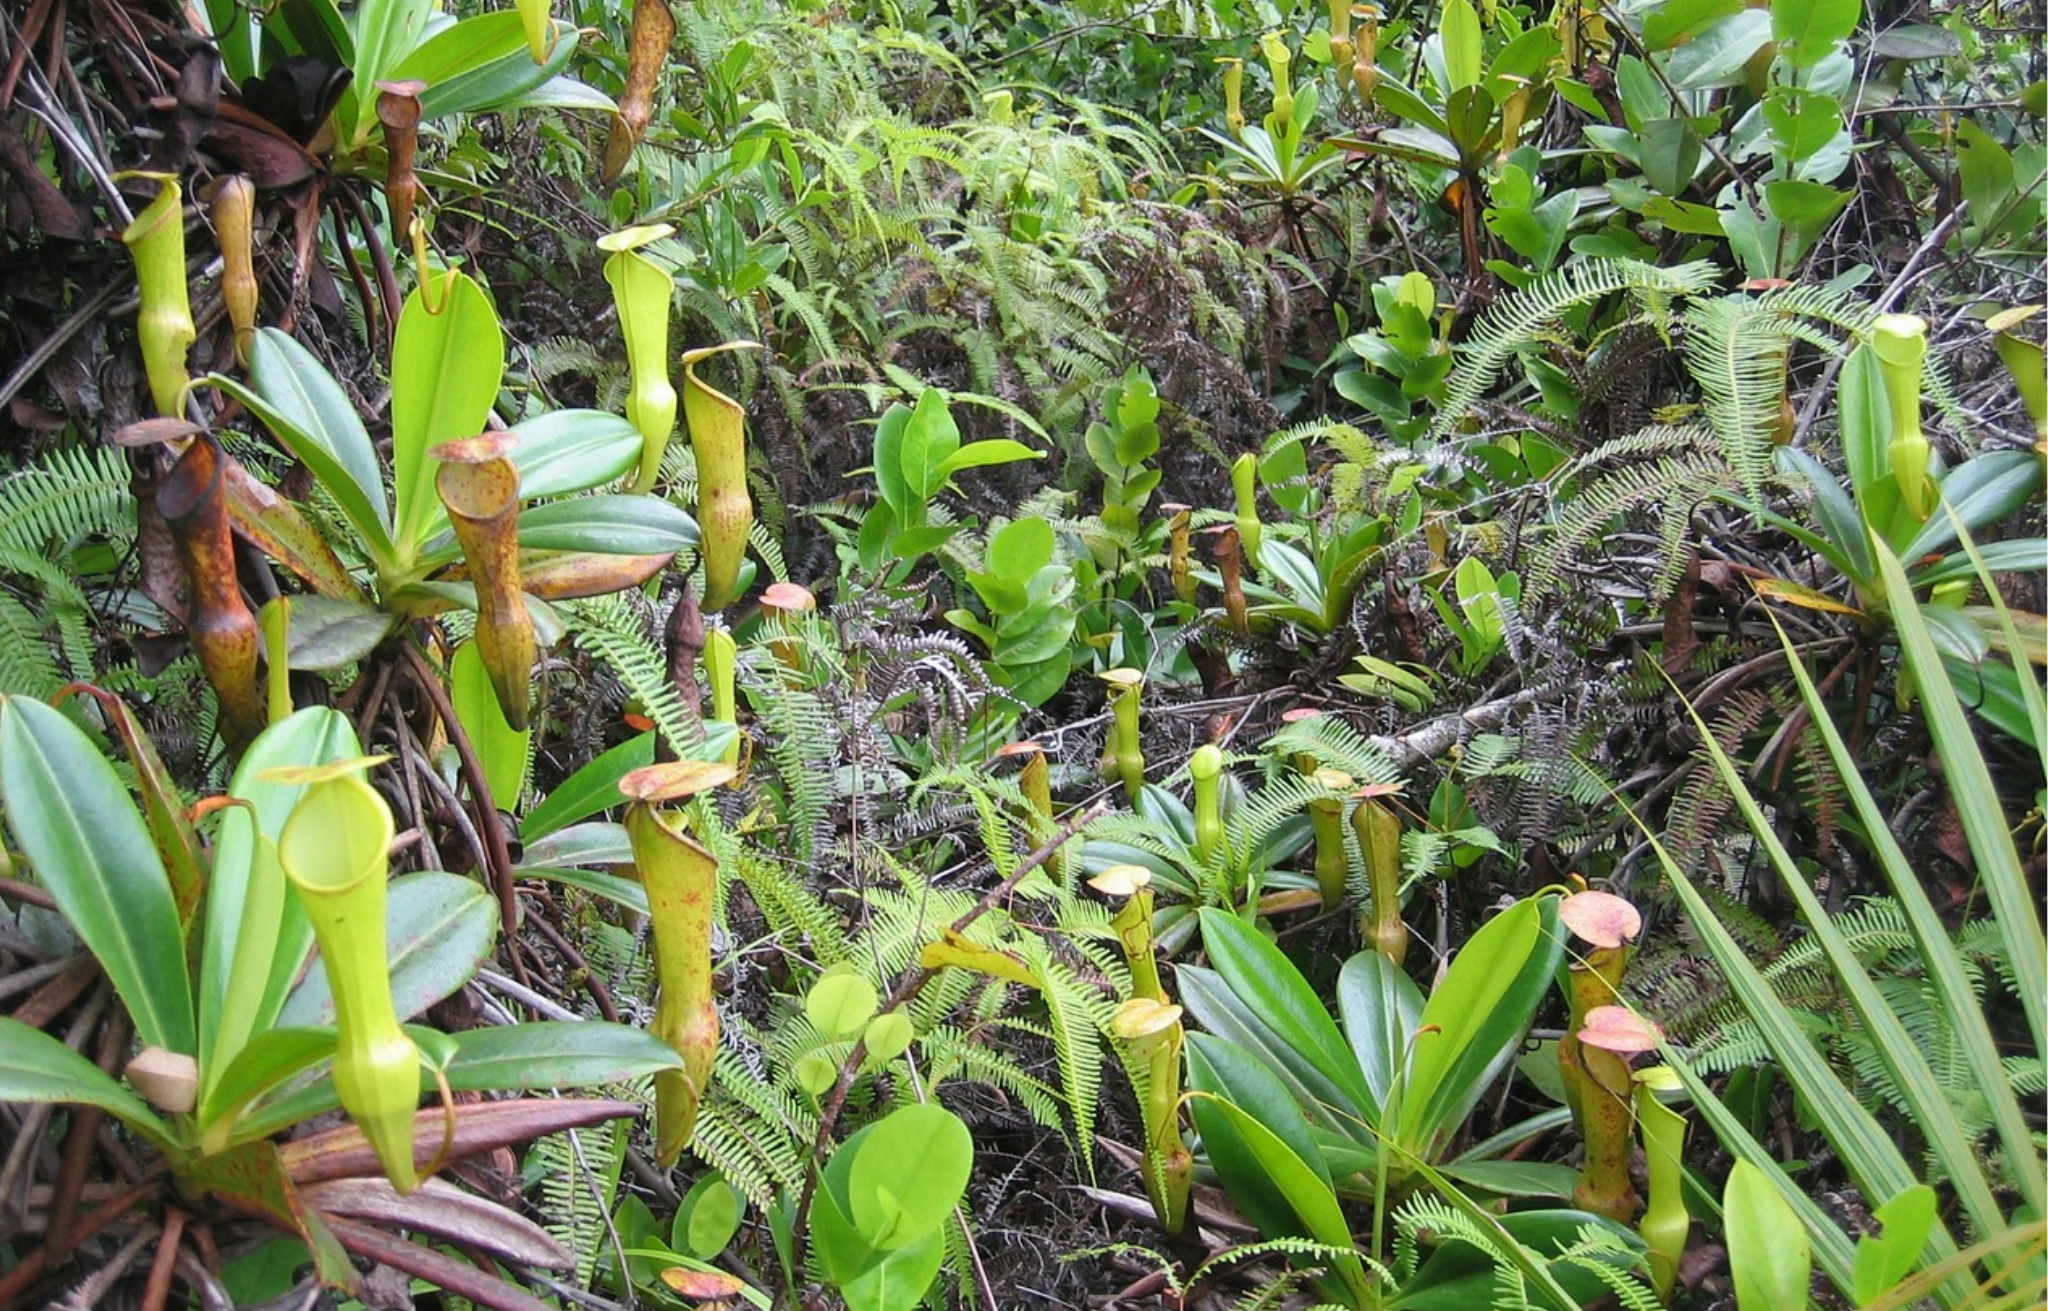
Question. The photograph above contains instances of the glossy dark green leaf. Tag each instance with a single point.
(572, 451)
(593, 788)
(329, 634)
(1315, 1207)
(1382, 1009)
(88, 846)
(482, 62)
(1268, 984)
(609, 524)
(35, 1067)
(440, 927)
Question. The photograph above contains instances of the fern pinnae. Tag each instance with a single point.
(1519, 317)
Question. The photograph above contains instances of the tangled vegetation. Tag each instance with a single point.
(1170, 654)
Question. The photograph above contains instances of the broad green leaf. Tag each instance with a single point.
(1809, 30)
(1464, 52)
(1269, 985)
(572, 451)
(35, 1067)
(980, 455)
(1676, 22)
(88, 846)
(1670, 154)
(1382, 1009)
(385, 31)
(1802, 121)
(1803, 206)
(1716, 55)
(1223, 1068)
(266, 1061)
(1314, 1205)
(438, 928)
(599, 842)
(609, 524)
(1887, 1256)
(708, 1219)
(1980, 491)
(1474, 1018)
(910, 1172)
(930, 439)
(328, 634)
(1020, 548)
(303, 405)
(614, 888)
(1768, 1255)
(897, 1279)
(890, 434)
(531, 1057)
(593, 788)
(446, 365)
(838, 1005)
(503, 750)
(481, 62)
(246, 876)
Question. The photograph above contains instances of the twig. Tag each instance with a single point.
(1425, 744)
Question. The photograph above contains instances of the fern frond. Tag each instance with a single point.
(71, 493)
(1518, 319)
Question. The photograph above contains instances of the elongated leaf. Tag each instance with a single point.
(1272, 988)
(482, 62)
(445, 370)
(529, 1057)
(1314, 1205)
(599, 842)
(34, 1067)
(89, 847)
(1382, 1009)
(572, 451)
(929, 440)
(980, 455)
(2014, 907)
(612, 887)
(503, 749)
(1767, 1252)
(1474, 1019)
(439, 928)
(1980, 491)
(1966, 1022)
(385, 32)
(1869, 1151)
(1925, 1099)
(1229, 1071)
(608, 525)
(266, 1061)
(246, 878)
